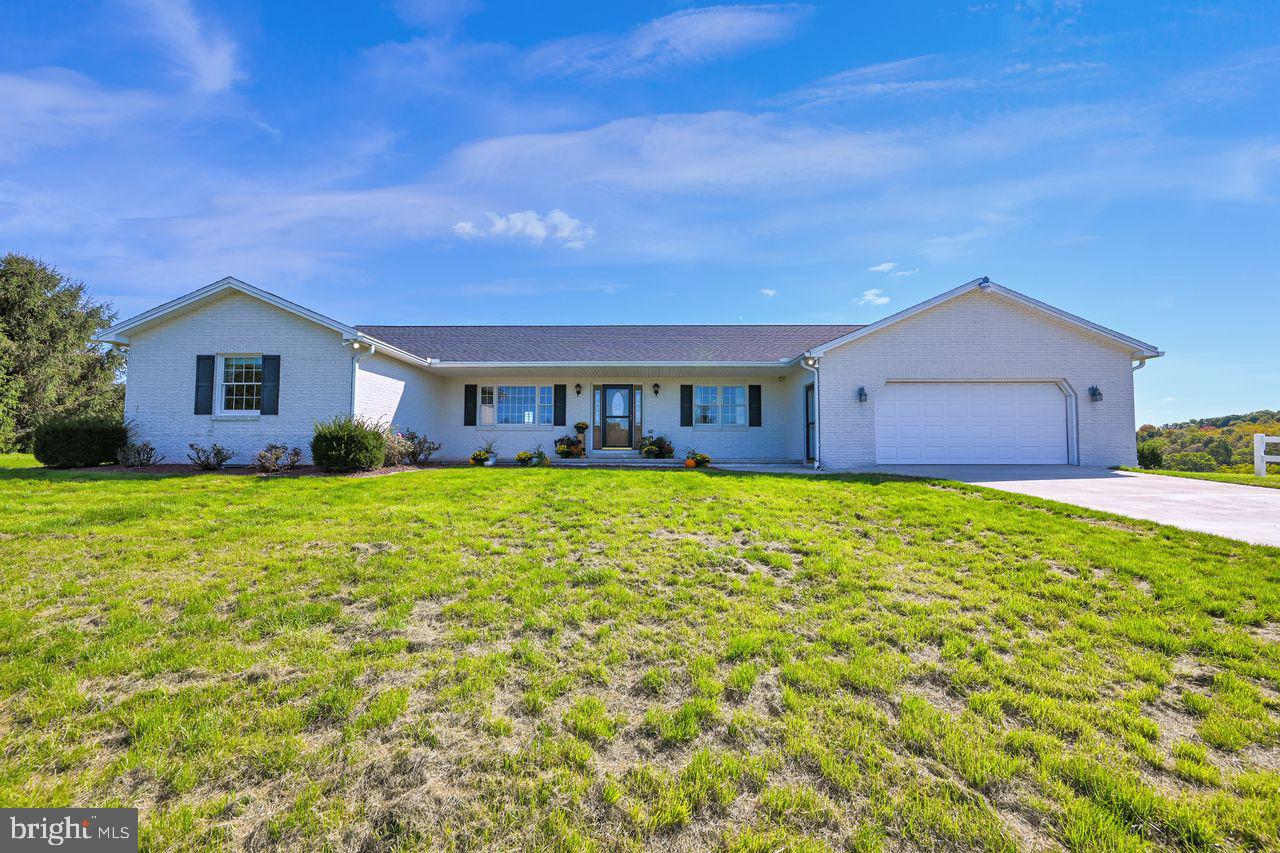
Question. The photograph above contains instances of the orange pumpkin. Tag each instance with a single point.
(691, 463)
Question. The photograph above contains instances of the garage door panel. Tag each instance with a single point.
(971, 423)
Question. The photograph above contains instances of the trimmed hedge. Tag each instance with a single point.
(79, 442)
(346, 444)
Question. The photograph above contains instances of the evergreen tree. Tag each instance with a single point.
(48, 366)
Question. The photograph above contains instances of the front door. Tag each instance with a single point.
(810, 422)
(617, 416)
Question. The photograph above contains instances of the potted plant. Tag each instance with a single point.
(524, 458)
(694, 459)
(656, 447)
(539, 456)
(486, 455)
(570, 446)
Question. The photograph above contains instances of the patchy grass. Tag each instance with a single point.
(576, 659)
(1268, 482)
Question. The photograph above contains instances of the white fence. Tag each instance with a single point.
(1260, 457)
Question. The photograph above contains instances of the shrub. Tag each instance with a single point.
(79, 442)
(138, 455)
(421, 448)
(277, 457)
(209, 458)
(344, 444)
(399, 449)
(525, 458)
(570, 447)
(1151, 454)
(1190, 462)
(656, 447)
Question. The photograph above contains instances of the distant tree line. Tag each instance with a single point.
(1206, 444)
(49, 367)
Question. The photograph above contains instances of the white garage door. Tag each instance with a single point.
(1023, 423)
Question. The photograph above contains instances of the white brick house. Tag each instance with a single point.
(979, 374)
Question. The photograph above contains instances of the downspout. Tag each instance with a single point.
(810, 364)
(356, 355)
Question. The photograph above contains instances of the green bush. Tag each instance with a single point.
(1151, 454)
(345, 444)
(79, 442)
(1190, 462)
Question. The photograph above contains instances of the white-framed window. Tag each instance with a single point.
(239, 384)
(733, 405)
(706, 405)
(719, 405)
(523, 405)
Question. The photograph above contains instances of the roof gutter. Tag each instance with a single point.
(500, 364)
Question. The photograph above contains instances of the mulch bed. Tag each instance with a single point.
(177, 470)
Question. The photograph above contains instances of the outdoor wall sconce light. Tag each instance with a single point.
(810, 361)
(656, 388)
(862, 394)
(577, 388)
(1095, 393)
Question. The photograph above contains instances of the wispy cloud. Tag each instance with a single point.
(902, 273)
(725, 151)
(874, 296)
(768, 292)
(557, 226)
(934, 74)
(53, 106)
(685, 38)
(884, 267)
(435, 13)
(200, 50)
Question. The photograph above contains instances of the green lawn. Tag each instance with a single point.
(1271, 481)
(577, 659)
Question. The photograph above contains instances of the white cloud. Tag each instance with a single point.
(902, 273)
(768, 292)
(874, 296)
(885, 267)
(529, 224)
(681, 39)
(53, 106)
(1168, 399)
(201, 51)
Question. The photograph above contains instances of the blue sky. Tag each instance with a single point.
(459, 161)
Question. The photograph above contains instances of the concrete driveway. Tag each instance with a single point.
(1248, 513)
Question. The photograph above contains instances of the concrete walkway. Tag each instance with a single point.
(1247, 513)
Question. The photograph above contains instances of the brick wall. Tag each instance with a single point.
(774, 439)
(979, 335)
(315, 376)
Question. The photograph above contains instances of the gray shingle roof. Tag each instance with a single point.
(676, 344)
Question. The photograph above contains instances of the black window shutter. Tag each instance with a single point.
(204, 385)
(561, 394)
(270, 385)
(686, 405)
(468, 405)
(753, 405)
